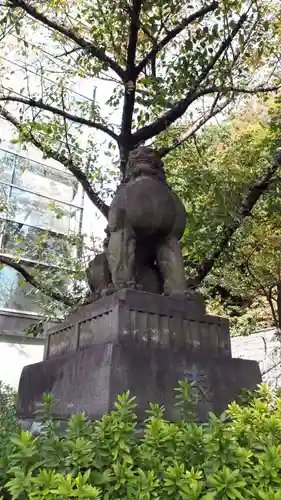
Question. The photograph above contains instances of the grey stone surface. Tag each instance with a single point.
(263, 347)
(89, 380)
(142, 342)
(177, 322)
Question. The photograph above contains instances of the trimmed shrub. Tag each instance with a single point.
(7, 404)
(234, 456)
(8, 423)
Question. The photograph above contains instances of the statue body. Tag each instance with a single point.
(146, 221)
(98, 276)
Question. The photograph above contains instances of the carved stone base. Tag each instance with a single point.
(89, 380)
(176, 322)
(138, 341)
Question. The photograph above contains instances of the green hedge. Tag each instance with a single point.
(235, 456)
(8, 421)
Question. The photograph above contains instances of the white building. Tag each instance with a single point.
(31, 194)
(37, 197)
(33, 189)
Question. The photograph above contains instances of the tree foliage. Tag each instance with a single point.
(213, 174)
(165, 62)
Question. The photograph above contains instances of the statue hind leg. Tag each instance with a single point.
(121, 253)
(170, 262)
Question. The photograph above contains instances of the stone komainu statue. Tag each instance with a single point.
(146, 221)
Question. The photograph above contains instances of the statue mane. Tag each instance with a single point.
(149, 157)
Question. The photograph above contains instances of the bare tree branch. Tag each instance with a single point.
(213, 112)
(268, 370)
(130, 69)
(160, 124)
(173, 33)
(181, 106)
(223, 47)
(67, 162)
(144, 29)
(67, 52)
(245, 209)
(130, 83)
(262, 287)
(237, 90)
(61, 112)
(275, 179)
(71, 34)
(29, 278)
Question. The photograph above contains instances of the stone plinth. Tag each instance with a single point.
(90, 379)
(144, 317)
(142, 342)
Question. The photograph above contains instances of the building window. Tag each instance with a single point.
(39, 207)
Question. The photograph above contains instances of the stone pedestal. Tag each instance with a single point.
(175, 322)
(142, 342)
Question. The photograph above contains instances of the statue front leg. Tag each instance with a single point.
(170, 262)
(121, 257)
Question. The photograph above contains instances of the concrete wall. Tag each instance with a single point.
(15, 353)
(17, 350)
(264, 347)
